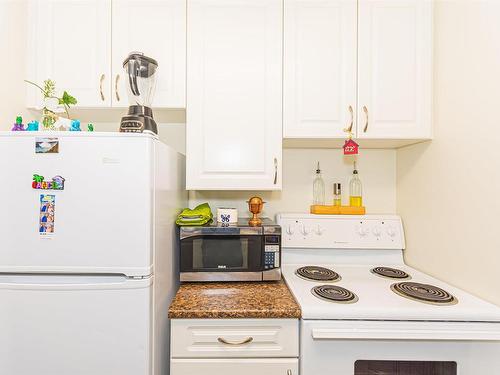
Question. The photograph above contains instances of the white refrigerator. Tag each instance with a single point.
(88, 257)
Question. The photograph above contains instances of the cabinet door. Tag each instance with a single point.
(319, 68)
(278, 366)
(234, 95)
(395, 52)
(158, 29)
(70, 43)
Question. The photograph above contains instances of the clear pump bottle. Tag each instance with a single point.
(355, 189)
(318, 188)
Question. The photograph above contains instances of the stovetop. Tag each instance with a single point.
(376, 300)
(360, 252)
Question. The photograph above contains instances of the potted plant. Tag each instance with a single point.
(53, 104)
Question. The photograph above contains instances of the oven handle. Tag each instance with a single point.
(385, 333)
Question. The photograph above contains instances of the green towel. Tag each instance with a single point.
(200, 215)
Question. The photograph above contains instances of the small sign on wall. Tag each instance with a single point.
(350, 147)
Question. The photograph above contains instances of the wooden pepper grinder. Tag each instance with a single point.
(255, 206)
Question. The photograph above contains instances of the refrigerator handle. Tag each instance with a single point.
(70, 282)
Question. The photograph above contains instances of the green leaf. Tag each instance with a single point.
(68, 99)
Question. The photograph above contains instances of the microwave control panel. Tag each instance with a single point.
(272, 252)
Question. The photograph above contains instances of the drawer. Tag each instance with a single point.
(250, 366)
(224, 338)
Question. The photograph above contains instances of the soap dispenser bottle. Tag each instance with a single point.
(318, 188)
(355, 189)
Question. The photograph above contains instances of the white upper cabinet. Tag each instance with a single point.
(234, 95)
(158, 29)
(81, 45)
(76, 55)
(395, 69)
(319, 95)
(374, 56)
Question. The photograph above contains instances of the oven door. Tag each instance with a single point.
(208, 257)
(399, 348)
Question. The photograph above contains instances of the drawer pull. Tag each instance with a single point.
(288, 372)
(246, 341)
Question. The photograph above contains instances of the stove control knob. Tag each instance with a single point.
(304, 231)
(319, 231)
(289, 230)
(391, 231)
(377, 232)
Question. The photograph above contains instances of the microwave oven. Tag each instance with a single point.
(230, 252)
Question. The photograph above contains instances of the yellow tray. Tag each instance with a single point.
(337, 210)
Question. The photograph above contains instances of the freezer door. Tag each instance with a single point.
(75, 325)
(102, 220)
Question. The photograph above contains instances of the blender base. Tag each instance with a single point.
(138, 120)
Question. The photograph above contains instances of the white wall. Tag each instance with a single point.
(448, 190)
(377, 170)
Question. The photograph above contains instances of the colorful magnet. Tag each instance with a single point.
(47, 214)
(47, 145)
(39, 183)
(90, 127)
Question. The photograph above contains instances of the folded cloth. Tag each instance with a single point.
(200, 215)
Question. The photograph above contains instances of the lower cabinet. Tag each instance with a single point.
(232, 366)
(234, 346)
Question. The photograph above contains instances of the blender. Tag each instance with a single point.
(141, 73)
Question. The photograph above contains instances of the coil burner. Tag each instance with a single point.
(334, 293)
(316, 273)
(390, 273)
(424, 293)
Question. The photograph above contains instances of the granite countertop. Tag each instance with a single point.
(269, 299)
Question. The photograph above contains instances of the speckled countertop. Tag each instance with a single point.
(270, 299)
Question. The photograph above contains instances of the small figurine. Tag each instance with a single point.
(90, 127)
(32, 126)
(75, 126)
(255, 206)
(18, 126)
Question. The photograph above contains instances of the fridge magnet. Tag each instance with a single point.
(47, 145)
(39, 183)
(350, 147)
(47, 214)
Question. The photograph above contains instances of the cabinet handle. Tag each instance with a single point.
(246, 341)
(100, 86)
(288, 372)
(116, 88)
(275, 171)
(365, 110)
(349, 129)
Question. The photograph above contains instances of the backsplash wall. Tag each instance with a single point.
(377, 170)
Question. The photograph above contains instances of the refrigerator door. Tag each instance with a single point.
(60, 324)
(102, 219)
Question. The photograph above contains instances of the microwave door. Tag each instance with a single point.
(229, 254)
(222, 253)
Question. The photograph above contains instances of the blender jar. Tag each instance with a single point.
(141, 73)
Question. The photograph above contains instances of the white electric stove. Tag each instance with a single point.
(364, 312)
